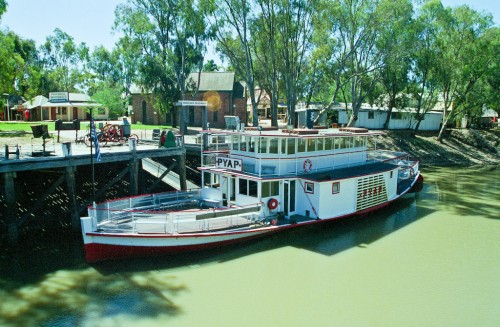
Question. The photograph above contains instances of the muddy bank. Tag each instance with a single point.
(460, 147)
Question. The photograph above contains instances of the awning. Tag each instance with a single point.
(71, 104)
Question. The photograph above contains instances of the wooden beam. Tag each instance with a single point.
(182, 172)
(103, 189)
(11, 212)
(73, 204)
(38, 203)
(159, 179)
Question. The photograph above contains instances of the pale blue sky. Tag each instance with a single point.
(91, 21)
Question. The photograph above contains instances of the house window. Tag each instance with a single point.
(396, 115)
(309, 187)
(335, 188)
(391, 174)
(371, 115)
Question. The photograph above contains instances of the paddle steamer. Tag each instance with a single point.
(254, 182)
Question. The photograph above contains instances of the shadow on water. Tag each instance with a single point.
(467, 192)
(327, 238)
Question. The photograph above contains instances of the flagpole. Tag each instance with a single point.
(92, 156)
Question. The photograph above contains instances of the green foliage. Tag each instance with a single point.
(111, 97)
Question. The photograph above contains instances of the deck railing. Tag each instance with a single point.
(115, 211)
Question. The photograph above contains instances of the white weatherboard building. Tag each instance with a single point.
(373, 117)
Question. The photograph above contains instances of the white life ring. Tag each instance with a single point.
(307, 165)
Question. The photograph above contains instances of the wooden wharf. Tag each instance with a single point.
(66, 166)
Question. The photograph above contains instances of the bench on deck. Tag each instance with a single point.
(227, 212)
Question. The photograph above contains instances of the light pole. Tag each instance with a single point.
(8, 109)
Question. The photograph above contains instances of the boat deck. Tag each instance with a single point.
(191, 219)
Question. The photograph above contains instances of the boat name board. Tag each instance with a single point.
(229, 163)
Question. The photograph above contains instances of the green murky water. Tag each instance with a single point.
(429, 260)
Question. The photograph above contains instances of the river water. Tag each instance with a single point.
(431, 259)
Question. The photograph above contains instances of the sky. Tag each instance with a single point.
(91, 21)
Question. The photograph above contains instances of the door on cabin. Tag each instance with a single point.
(228, 190)
(289, 197)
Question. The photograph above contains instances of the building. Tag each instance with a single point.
(373, 117)
(225, 97)
(70, 106)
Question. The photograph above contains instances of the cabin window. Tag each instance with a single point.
(235, 140)
(243, 186)
(243, 143)
(247, 187)
(251, 144)
(340, 143)
(252, 188)
(291, 146)
(270, 189)
(335, 188)
(311, 145)
(348, 142)
(391, 175)
(320, 144)
(273, 145)
(301, 145)
(359, 141)
(262, 145)
(283, 146)
(309, 187)
(211, 180)
(329, 143)
(371, 115)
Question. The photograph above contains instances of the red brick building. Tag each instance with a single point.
(225, 96)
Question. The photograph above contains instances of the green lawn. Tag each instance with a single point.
(25, 126)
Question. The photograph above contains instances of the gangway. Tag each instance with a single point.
(157, 169)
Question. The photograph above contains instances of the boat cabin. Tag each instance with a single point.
(309, 174)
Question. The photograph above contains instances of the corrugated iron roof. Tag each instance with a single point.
(214, 81)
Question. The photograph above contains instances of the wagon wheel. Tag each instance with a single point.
(100, 137)
(115, 133)
(87, 140)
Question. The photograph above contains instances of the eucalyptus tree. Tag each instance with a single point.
(463, 61)
(356, 60)
(394, 43)
(170, 37)
(3, 7)
(63, 60)
(424, 58)
(295, 25)
(231, 23)
(266, 52)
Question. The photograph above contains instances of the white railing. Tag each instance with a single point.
(115, 211)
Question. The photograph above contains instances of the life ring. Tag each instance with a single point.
(307, 165)
(272, 204)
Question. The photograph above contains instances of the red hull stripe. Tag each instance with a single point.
(95, 252)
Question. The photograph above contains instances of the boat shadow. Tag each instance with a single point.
(328, 238)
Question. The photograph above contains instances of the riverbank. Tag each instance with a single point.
(460, 147)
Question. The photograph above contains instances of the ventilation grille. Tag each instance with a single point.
(371, 192)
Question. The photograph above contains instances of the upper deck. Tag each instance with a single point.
(285, 152)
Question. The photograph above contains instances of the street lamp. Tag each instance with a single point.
(8, 109)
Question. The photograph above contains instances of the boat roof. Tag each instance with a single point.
(301, 132)
(349, 172)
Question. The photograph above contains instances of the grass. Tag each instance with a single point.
(25, 126)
